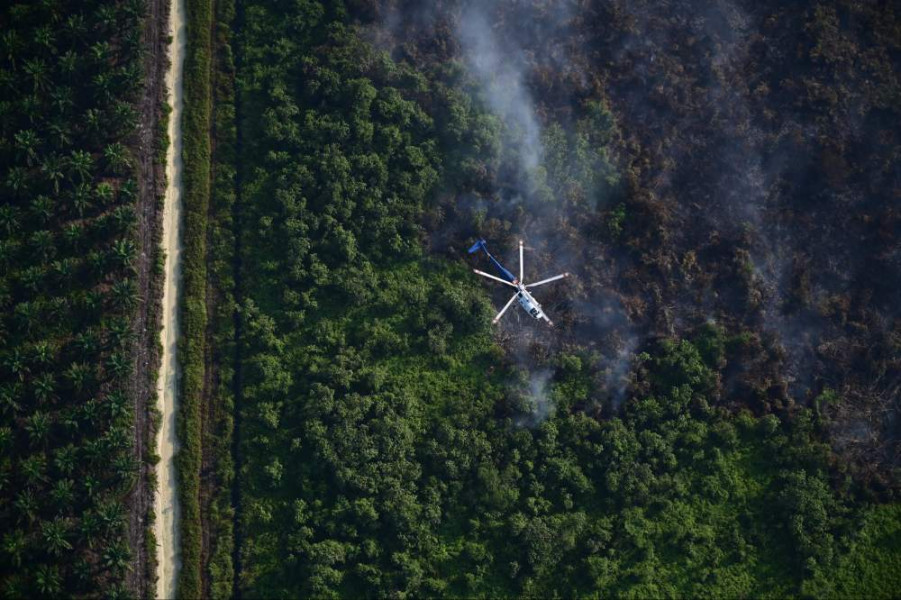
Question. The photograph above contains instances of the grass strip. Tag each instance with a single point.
(196, 156)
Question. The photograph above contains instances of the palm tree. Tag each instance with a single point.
(74, 234)
(61, 99)
(26, 505)
(89, 528)
(81, 164)
(12, 45)
(51, 10)
(111, 514)
(63, 493)
(123, 252)
(83, 572)
(32, 278)
(61, 134)
(116, 557)
(38, 427)
(14, 544)
(16, 586)
(58, 308)
(91, 301)
(42, 353)
(87, 342)
(26, 315)
(79, 375)
(17, 365)
(81, 198)
(9, 218)
(8, 251)
(125, 468)
(118, 591)
(47, 580)
(39, 73)
(120, 332)
(104, 193)
(32, 107)
(132, 43)
(118, 365)
(9, 110)
(93, 120)
(90, 412)
(65, 459)
(75, 27)
(97, 262)
(100, 52)
(104, 83)
(10, 392)
(125, 294)
(95, 452)
(68, 62)
(42, 242)
(54, 535)
(91, 486)
(44, 387)
(27, 143)
(34, 468)
(123, 216)
(118, 404)
(53, 169)
(128, 191)
(44, 36)
(106, 17)
(124, 115)
(116, 158)
(69, 420)
(119, 437)
(17, 181)
(63, 270)
(42, 208)
(133, 10)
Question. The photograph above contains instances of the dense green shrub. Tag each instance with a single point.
(192, 349)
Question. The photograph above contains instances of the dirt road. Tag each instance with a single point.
(166, 502)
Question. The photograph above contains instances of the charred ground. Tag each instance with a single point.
(757, 152)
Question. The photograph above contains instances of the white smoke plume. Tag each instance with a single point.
(501, 72)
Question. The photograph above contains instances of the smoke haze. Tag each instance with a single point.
(501, 72)
(740, 202)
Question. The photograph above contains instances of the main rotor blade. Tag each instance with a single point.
(520, 260)
(489, 276)
(503, 310)
(548, 280)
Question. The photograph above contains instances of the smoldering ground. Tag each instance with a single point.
(730, 212)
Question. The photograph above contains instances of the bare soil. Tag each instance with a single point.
(145, 353)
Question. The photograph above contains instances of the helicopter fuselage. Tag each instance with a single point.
(522, 295)
(529, 303)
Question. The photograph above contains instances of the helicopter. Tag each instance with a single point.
(522, 295)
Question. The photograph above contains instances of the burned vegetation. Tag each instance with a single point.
(749, 178)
